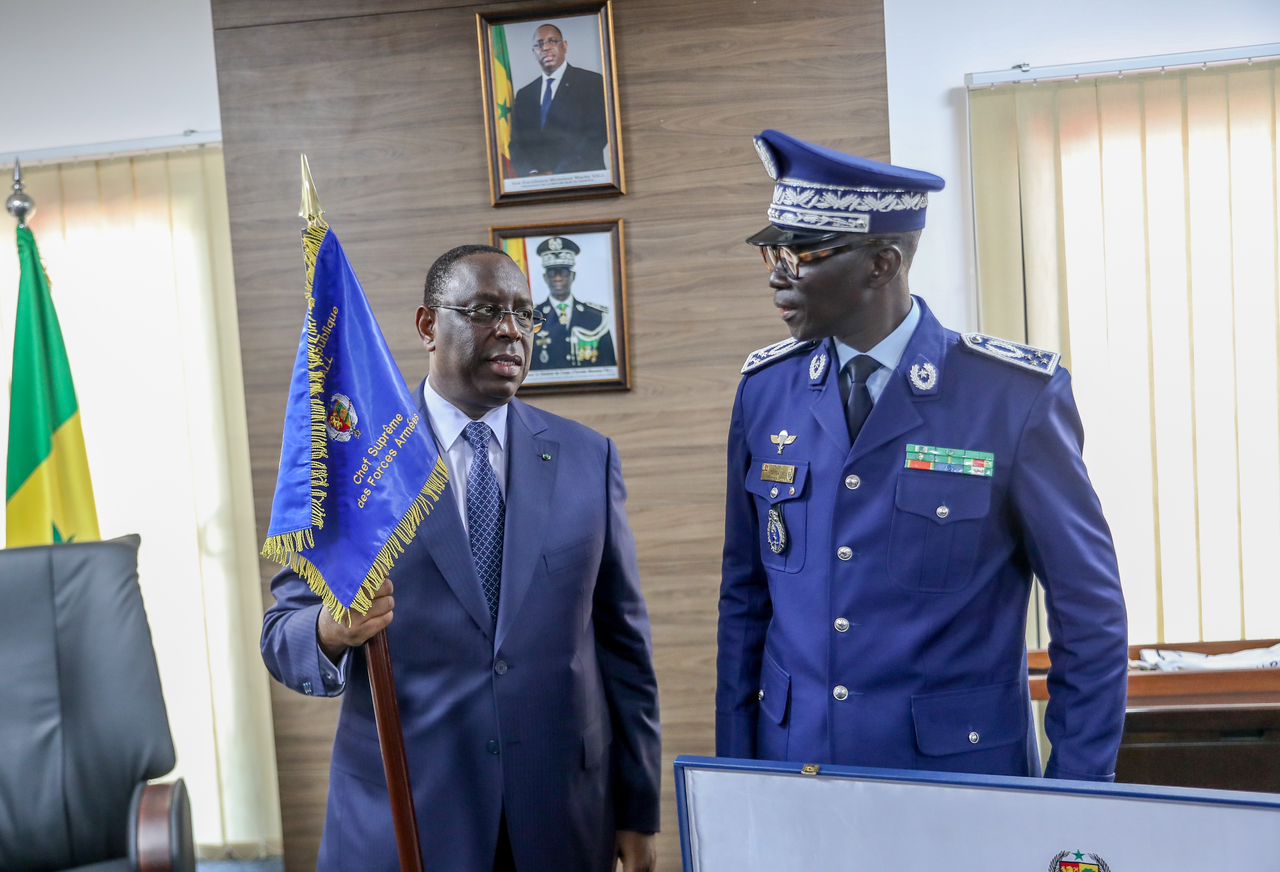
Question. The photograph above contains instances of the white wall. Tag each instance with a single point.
(931, 44)
(80, 72)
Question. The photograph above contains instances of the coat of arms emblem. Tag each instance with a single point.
(342, 419)
(1078, 861)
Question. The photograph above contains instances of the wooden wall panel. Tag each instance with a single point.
(387, 106)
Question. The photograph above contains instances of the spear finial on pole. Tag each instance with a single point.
(20, 205)
(310, 209)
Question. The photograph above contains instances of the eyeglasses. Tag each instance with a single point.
(528, 320)
(792, 259)
(550, 42)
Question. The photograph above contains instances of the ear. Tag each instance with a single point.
(427, 323)
(886, 265)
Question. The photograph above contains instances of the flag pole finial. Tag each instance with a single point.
(310, 209)
(20, 205)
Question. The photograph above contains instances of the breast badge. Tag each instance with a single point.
(776, 531)
(782, 440)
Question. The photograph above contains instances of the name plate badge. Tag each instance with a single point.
(779, 472)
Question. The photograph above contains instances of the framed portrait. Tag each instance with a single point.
(550, 103)
(577, 282)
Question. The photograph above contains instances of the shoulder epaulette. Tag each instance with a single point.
(596, 306)
(1015, 353)
(763, 356)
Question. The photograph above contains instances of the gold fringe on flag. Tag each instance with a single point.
(281, 549)
(312, 238)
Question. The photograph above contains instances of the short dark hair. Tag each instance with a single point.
(442, 270)
(559, 32)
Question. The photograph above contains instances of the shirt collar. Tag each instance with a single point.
(888, 351)
(448, 421)
(556, 76)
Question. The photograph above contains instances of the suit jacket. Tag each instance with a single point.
(889, 631)
(551, 715)
(575, 135)
(584, 341)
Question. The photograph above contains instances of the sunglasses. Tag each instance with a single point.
(791, 259)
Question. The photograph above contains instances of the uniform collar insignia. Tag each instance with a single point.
(817, 367)
(923, 376)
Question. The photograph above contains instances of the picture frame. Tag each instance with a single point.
(577, 280)
(562, 145)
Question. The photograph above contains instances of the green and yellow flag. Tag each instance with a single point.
(49, 495)
(504, 95)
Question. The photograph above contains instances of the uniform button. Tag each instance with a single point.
(840, 692)
(773, 492)
(942, 512)
(760, 694)
(492, 746)
(974, 737)
(842, 625)
(853, 482)
(844, 552)
(500, 667)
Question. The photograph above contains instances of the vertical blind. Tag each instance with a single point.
(1131, 223)
(139, 258)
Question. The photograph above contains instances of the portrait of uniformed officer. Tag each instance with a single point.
(893, 486)
(576, 332)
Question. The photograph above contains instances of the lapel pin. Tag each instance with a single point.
(782, 440)
(546, 457)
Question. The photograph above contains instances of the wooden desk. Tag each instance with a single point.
(1196, 729)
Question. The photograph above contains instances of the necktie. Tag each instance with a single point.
(546, 103)
(485, 514)
(859, 404)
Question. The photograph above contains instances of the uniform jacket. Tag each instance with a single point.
(584, 341)
(552, 714)
(906, 591)
(575, 135)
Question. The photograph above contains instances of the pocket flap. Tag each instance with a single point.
(943, 497)
(766, 476)
(958, 721)
(775, 687)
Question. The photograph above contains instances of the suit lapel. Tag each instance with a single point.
(445, 540)
(531, 476)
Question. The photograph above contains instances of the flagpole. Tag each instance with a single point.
(395, 762)
(19, 204)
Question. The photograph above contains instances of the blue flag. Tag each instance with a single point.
(358, 469)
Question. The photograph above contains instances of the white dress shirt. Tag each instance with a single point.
(447, 422)
(887, 352)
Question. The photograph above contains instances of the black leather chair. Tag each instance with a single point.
(82, 720)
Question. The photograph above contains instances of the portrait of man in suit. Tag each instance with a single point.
(521, 644)
(559, 123)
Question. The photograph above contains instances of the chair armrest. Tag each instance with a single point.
(160, 829)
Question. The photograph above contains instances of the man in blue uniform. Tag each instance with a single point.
(574, 333)
(893, 486)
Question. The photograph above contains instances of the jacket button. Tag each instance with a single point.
(760, 693)
(500, 667)
(974, 737)
(842, 625)
(942, 512)
(492, 746)
(773, 492)
(844, 552)
(853, 482)
(840, 692)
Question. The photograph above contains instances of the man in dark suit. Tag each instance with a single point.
(574, 332)
(558, 125)
(521, 646)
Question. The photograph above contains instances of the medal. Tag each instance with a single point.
(776, 532)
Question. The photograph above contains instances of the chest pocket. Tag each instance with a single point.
(933, 537)
(782, 508)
